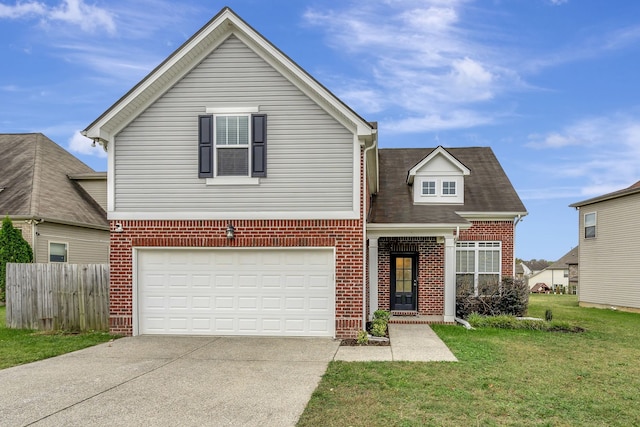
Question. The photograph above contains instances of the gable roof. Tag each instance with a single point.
(633, 189)
(487, 189)
(225, 24)
(36, 184)
(438, 151)
(570, 257)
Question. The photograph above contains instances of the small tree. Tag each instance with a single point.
(13, 248)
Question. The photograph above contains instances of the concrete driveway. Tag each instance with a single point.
(169, 381)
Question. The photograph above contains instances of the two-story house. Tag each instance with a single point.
(608, 255)
(245, 198)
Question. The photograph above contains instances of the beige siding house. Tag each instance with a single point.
(57, 201)
(557, 276)
(609, 251)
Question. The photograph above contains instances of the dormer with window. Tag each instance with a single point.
(438, 179)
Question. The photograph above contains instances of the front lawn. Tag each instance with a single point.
(503, 377)
(19, 346)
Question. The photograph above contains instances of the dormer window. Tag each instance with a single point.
(428, 188)
(438, 178)
(448, 188)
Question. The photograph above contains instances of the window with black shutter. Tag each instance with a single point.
(232, 145)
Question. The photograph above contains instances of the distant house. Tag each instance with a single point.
(57, 201)
(609, 251)
(556, 276)
(523, 272)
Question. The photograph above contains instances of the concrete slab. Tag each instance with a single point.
(168, 381)
(409, 342)
(418, 343)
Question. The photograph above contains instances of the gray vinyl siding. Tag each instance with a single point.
(97, 189)
(84, 245)
(310, 154)
(608, 264)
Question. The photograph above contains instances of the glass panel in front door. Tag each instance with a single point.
(404, 298)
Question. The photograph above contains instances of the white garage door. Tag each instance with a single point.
(280, 292)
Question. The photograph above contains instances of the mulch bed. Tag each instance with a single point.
(352, 342)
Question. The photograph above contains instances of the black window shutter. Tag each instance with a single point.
(205, 146)
(259, 145)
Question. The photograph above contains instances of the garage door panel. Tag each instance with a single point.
(230, 292)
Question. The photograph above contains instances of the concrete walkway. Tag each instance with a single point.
(413, 343)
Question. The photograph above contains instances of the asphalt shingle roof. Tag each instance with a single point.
(487, 188)
(34, 177)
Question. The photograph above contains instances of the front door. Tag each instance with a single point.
(404, 281)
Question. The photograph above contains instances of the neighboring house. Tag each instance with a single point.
(49, 195)
(244, 198)
(523, 272)
(609, 251)
(556, 276)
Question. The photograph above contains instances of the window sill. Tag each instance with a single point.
(233, 180)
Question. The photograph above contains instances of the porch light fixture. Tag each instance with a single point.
(231, 231)
(118, 228)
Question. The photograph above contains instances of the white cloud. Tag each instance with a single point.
(558, 2)
(424, 58)
(88, 18)
(22, 9)
(82, 145)
(598, 154)
(459, 119)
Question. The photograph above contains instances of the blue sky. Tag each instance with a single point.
(551, 85)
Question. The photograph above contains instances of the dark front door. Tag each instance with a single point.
(404, 281)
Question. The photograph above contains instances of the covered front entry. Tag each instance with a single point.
(404, 281)
(240, 291)
(412, 274)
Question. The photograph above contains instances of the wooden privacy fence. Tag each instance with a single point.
(70, 297)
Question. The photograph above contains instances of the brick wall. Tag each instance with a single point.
(494, 231)
(430, 271)
(344, 235)
(431, 262)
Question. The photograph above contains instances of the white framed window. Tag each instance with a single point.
(58, 252)
(232, 146)
(428, 188)
(590, 225)
(448, 188)
(478, 265)
(232, 157)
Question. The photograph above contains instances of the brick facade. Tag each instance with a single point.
(430, 271)
(344, 235)
(431, 262)
(494, 231)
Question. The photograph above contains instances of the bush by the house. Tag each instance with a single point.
(379, 324)
(13, 248)
(508, 297)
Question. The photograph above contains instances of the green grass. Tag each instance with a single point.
(503, 377)
(19, 346)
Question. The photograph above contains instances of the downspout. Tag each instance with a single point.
(516, 220)
(364, 227)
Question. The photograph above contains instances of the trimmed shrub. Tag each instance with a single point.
(508, 297)
(13, 248)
